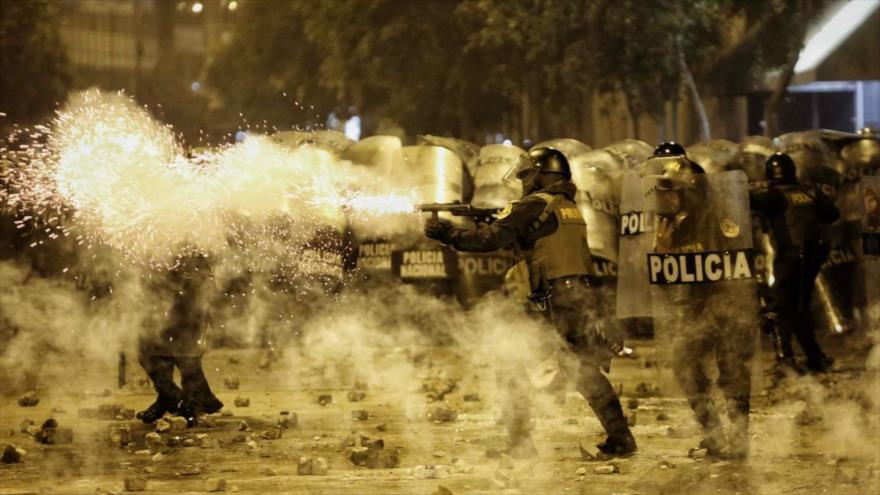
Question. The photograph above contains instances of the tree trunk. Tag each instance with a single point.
(705, 130)
(633, 112)
(774, 101)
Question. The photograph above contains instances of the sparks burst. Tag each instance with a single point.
(106, 172)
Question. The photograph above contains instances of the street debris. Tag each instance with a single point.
(29, 399)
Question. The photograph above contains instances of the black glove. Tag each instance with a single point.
(439, 229)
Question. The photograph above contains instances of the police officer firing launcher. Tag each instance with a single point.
(547, 232)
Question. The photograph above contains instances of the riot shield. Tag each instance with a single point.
(333, 141)
(631, 152)
(702, 246)
(384, 154)
(598, 202)
(864, 153)
(467, 151)
(870, 246)
(701, 274)
(635, 228)
(569, 147)
(437, 173)
(601, 159)
(714, 155)
(490, 190)
(750, 156)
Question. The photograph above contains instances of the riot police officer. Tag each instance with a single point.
(704, 317)
(792, 211)
(548, 233)
(179, 341)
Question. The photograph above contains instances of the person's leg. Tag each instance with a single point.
(689, 355)
(196, 394)
(592, 383)
(734, 352)
(160, 369)
(805, 332)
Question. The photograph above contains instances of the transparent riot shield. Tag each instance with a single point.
(634, 229)
(870, 247)
(713, 155)
(701, 273)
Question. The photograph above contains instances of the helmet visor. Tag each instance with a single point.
(521, 169)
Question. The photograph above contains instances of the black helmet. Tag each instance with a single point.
(670, 159)
(669, 148)
(780, 169)
(539, 161)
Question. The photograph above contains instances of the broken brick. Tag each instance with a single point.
(120, 435)
(325, 399)
(606, 469)
(29, 399)
(108, 411)
(178, 423)
(135, 484)
(442, 414)
(163, 425)
(304, 466)
(11, 455)
(287, 420)
(359, 415)
(356, 395)
(153, 441)
(214, 485)
(231, 382)
(272, 434)
(51, 434)
(242, 401)
(319, 466)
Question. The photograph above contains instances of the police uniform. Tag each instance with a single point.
(548, 233)
(179, 340)
(793, 212)
(707, 323)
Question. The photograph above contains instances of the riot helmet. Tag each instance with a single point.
(780, 169)
(536, 162)
(678, 183)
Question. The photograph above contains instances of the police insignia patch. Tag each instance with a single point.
(506, 211)
(729, 228)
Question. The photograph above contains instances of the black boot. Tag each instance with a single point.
(714, 440)
(163, 404)
(618, 444)
(620, 441)
(738, 439)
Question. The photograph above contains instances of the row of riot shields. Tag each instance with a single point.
(615, 196)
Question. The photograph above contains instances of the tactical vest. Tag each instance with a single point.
(565, 252)
(799, 223)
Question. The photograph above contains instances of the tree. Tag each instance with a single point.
(35, 73)
(268, 71)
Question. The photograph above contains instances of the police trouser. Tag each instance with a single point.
(792, 291)
(716, 329)
(572, 303)
(194, 385)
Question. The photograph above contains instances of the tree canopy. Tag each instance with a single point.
(471, 67)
